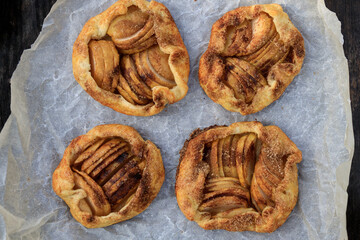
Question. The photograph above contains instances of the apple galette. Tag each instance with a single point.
(254, 53)
(108, 175)
(131, 58)
(238, 178)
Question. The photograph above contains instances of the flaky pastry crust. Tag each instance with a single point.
(239, 178)
(135, 97)
(108, 175)
(254, 53)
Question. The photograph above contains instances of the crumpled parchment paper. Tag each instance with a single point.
(49, 109)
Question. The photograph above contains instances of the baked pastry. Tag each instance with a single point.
(254, 53)
(108, 175)
(238, 178)
(131, 58)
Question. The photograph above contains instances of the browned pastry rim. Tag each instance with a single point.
(87, 193)
(196, 175)
(167, 37)
(248, 68)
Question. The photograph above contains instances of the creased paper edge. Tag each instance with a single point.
(343, 170)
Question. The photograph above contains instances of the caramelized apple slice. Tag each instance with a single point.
(95, 196)
(238, 38)
(88, 152)
(258, 196)
(141, 46)
(153, 65)
(233, 155)
(250, 72)
(233, 83)
(130, 27)
(222, 183)
(219, 157)
(214, 165)
(132, 169)
(105, 150)
(240, 161)
(241, 79)
(133, 78)
(127, 185)
(145, 76)
(227, 166)
(104, 65)
(124, 93)
(240, 192)
(250, 157)
(129, 92)
(263, 31)
(112, 169)
(108, 160)
(223, 203)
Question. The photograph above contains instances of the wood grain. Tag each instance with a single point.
(21, 22)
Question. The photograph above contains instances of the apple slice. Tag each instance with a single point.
(250, 70)
(125, 42)
(263, 31)
(138, 47)
(233, 146)
(108, 160)
(143, 73)
(232, 82)
(95, 196)
(258, 195)
(214, 165)
(250, 157)
(219, 157)
(222, 184)
(129, 27)
(110, 78)
(96, 62)
(126, 184)
(223, 203)
(107, 148)
(112, 169)
(88, 152)
(237, 38)
(131, 171)
(157, 65)
(129, 94)
(103, 55)
(240, 160)
(228, 168)
(247, 84)
(133, 79)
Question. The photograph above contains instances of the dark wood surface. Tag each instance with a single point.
(21, 22)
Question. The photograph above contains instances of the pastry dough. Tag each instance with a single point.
(131, 58)
(238, 178)
(109, 175)
(254, 53)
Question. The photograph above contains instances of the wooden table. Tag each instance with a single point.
(21, 22)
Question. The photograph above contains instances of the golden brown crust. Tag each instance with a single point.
(253, 55)
(163, 31)
(109, 175)
(216, 199)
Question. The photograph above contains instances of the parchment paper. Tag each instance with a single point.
(49, 109)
